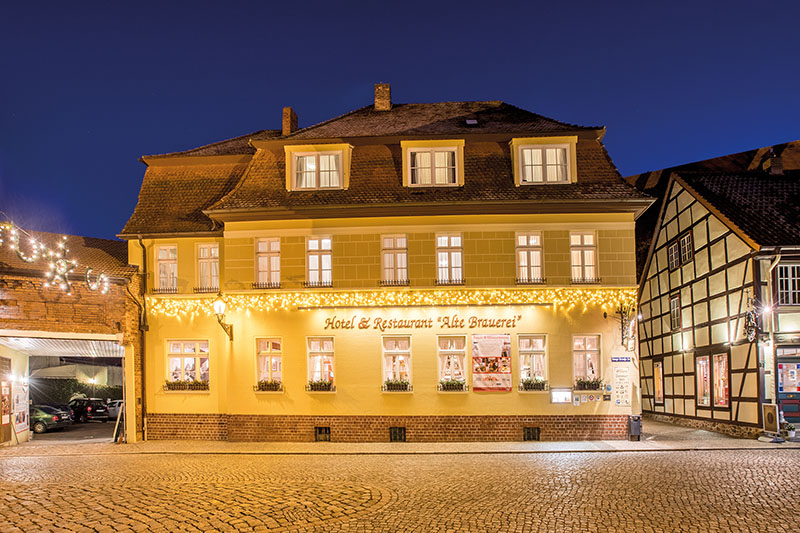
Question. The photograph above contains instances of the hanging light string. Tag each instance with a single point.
(60, 267)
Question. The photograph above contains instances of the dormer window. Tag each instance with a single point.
(433, 163)
(317, 167)
(544, 160)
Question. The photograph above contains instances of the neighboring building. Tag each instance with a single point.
(39, 318)
(719, 294)
(429, 272)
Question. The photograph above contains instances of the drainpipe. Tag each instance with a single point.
(143, 327)
(773, 306)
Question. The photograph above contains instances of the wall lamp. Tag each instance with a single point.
(219, 310)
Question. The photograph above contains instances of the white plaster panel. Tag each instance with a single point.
(736, 247)
(715, 228)
(719, 333)
(701, 262)
(716, 283)
(701, 336)
(700, 313)
(718, 255)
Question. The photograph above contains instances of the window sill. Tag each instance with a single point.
(586, 281)
(207, 391)
(531, 281)
(206, 290)
(394, 283)
(397, 392)
(267, 285)
(167, 290)
(318, 284)
(522, 391)
(449, 282)
(269, 391)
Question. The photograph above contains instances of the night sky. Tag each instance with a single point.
(87, 88)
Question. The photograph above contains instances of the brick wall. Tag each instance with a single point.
(289, 428)
(719, 426)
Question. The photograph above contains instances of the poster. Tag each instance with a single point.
(622, 385)
(491, 362)
(20, 403)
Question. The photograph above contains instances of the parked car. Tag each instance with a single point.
(113, 409)
(44, 418)
(86, 409)
(64, 408)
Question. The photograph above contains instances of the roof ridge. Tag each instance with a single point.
(209, 145)
(569, 124)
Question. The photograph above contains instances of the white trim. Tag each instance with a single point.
(565, 146)
(317, 171)
(431, 150)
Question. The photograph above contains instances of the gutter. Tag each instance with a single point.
(143, 328)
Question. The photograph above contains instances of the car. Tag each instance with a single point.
(44, 418)
(113, 408)
(64, 408)
(87, 409)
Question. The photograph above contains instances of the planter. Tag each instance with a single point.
(452, 386)
(186, 386)
(396, 386)
(533, 385)
(587, 384)
(268, 386)
(792, 433)
(320, 386)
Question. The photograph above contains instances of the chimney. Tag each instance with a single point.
(289, 121)
(383, 97)
(774, 165)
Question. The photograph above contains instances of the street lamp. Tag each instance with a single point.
(219, 310)
(92, 381)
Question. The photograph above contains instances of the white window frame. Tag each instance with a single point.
(172, 283)
(392, 361)
(322, 354)
(529, 353)
(543, 149)
(392, 273)
(459, 354)
(316, 253)
(317, 170)
(271, 355)
(197, 354)
(432, 150)
(446, 256)
(787, 284)
(529, 254)
(211, 281)
(270, 277)
(673, 255)
(675, 312)
(686, 242)
(583, 267)
(584, 352)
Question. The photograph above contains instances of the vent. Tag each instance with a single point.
(322, 433)
(472, 122)
(530, 433)
(397, 434)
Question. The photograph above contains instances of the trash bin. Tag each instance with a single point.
(635, 427)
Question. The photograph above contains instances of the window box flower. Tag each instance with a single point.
(186, 386)
(320, 386)
(396, 385)
(452, 385)
(266, 385)
(588, 384)
(533, 384)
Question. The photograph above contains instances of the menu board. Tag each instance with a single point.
(622, 385)
(21, 408)
(491, 362)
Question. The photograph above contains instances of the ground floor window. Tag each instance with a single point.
(188, 361)
(713, 380)
(452, 352)
(397, 359)
(320, 359)
(658, 382)
(269, 360)
(788, 371)
(721, 380)
(532, 365)
(586, 357)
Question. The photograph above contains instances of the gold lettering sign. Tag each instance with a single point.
(454, 321)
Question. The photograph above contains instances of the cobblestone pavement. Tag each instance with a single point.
(721, 490)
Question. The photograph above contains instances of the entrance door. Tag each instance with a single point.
(5, 400)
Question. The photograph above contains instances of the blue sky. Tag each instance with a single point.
(86, 88)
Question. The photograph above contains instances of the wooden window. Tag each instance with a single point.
(268, 262)
(452, 352)
(167, 267)
(269, 355)
(721, 376)
(394, 260)
(320, 359)
(318, 170)
(675, 312)
(703, 380)
(529, 258)
(431, 167)
(687, 248)
(788, 284)
(188, 361)
(448, 260)
(318, 260)
(544, 164)
(586, 357)
(582, 247)
(397, 358)
(658, 382)
(532, 358)
(680, 251)
(674, 255)
(208, 267)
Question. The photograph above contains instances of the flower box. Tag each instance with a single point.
(452, 385)
(589, 384)
(396, 386)
(320, 386)
(186, 386)
(268, 386)
(533, 384)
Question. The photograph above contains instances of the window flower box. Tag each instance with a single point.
(320, 386)
(452, 385)
(186, 386)
(396, 385)
(268, 386)
(533, 384)
(588, 384)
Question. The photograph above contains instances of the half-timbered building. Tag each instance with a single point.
(719, 293)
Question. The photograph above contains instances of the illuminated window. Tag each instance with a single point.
(529, 258)
(674, 255)
(394, 259)
(680, 251)
(397, 359)
(448, 260)
(582, 249)
(544, 164)
(268, 358)
(268, 262)
(208, 267)
(788, 284)
(432, 166)
(532, 363)
(320, 359)
(167, 267)
(452, 352)
(788, 369)
(318, 170)
(658, 382)
(188, 361)
(319, 262)
(687, 248)
(586, 357)
(675, 312)
(721, 380)
(703, 380)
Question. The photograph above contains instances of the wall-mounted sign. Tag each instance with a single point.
(491, 362)
(454, 321)
(620, 359)
(622, 385)
(21, 407)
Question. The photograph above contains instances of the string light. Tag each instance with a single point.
(60, 267)
(569, 298)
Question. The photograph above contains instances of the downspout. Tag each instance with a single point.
(143, 327)
(773, 306)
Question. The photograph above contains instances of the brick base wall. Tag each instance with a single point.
(718, 426)
(297, 428)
